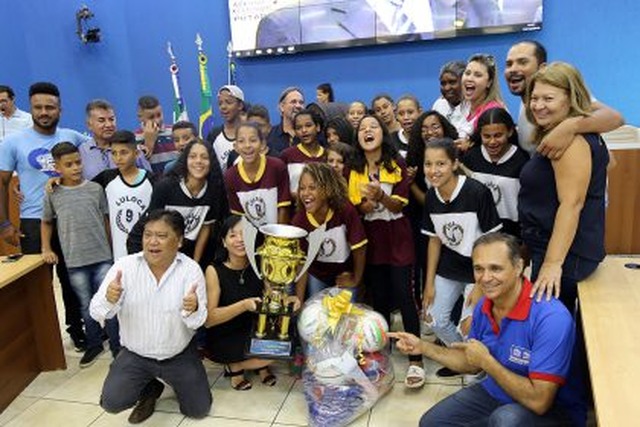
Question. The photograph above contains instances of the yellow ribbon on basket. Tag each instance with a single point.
(339, 305)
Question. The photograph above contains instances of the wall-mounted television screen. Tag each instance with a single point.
(271, 27)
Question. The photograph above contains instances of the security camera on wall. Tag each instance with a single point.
(86, 34)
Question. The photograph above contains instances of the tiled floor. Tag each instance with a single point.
(70, 398)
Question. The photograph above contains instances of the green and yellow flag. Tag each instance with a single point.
(205, 122)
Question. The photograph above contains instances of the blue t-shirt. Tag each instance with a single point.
(29, 154)
(535, 340)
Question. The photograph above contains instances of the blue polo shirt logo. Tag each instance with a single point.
(519, 355)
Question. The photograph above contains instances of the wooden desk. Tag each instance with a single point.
(622, 230)
(610, 304)
(29, 332)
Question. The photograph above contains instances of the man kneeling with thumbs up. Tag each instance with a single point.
(160, 299)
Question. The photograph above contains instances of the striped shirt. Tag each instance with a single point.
(152, 322)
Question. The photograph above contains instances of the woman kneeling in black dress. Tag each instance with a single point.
(233, 292)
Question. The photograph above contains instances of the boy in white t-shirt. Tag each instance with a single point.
(128, 190)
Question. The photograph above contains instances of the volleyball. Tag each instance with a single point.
(373, 331)
(313, 321)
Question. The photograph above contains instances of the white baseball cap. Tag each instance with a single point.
(235, 91)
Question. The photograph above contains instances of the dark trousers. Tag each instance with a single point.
(574, 269)
(130, 373)
(391, 287)
(31, 244)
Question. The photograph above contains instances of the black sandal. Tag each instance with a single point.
(270, 380)
(243, 385)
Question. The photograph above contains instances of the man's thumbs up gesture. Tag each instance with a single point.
(190, 300)
(114, 290)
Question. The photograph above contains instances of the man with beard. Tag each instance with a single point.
(523, 60)
(96, 154)
(28, 153)
(291, 101)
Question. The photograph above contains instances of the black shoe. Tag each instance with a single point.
(79, 339)
(147, 403)
(447, 373)
(79, 345)
(90, 356)
(115, 352)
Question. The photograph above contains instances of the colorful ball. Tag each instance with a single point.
(373, 332)
(313, 322)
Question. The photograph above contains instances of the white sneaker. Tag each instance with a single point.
(471, 379)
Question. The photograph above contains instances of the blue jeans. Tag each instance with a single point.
(447, 294)
(473, 406)
(85, 282)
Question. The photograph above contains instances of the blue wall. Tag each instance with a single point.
(38, 42)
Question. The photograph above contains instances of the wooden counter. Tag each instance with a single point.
(622, 230)
(610, 304)
(30, 339)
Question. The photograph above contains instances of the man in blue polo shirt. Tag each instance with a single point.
(525, 348)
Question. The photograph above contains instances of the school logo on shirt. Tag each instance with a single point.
(225, 156)
(453, 232)
(255, 208)
(130, 209)
(495, 191)
(192, 221)
(519, 355)
(327, 248)
(41, 159)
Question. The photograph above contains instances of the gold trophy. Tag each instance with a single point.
(282, 263)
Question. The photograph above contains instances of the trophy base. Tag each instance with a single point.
(270, 346)
(269, 349)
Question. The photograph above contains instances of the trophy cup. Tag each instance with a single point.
(282, 263)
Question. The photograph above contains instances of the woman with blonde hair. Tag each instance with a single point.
(561, 202)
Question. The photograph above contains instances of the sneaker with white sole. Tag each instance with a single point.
(416, 373)
(447, 373)
(90, 356)
(470, 379)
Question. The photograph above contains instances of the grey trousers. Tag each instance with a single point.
(130, 373)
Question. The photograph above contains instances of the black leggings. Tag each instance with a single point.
(390, 287)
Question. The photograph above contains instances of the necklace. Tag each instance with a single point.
(230, 265)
